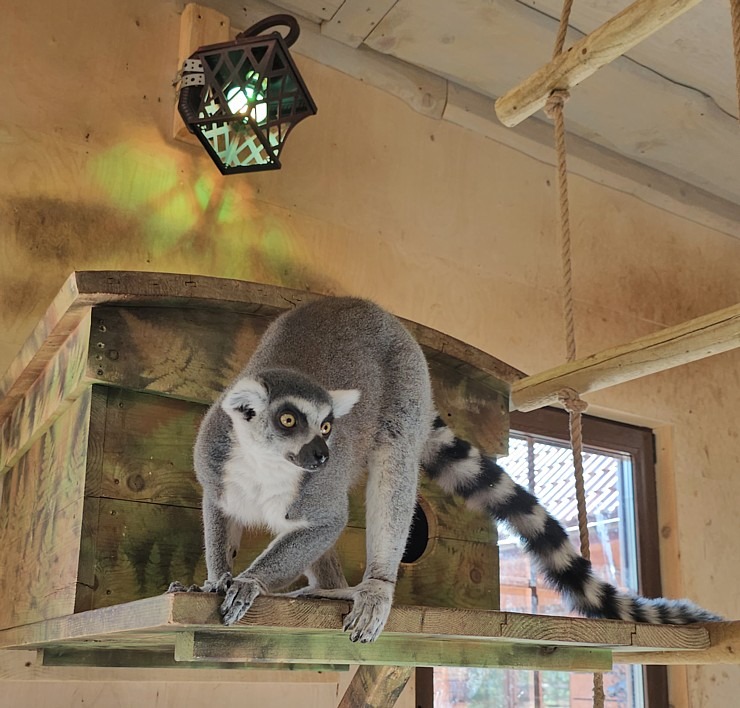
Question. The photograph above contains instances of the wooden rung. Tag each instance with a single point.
(704, 336)
(603, 45)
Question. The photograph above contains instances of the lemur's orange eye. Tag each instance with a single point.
(326, 428)
(287, 420)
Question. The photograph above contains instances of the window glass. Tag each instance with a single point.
(545, 467)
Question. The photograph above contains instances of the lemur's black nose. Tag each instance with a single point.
(313, 454)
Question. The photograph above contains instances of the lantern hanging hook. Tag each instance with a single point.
(274, 21)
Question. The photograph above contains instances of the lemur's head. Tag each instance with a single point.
(287, 414)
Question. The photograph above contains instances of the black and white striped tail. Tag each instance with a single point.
(460, 468)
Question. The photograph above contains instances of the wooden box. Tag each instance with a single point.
(97, 420)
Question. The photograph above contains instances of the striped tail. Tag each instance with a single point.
(460, 468)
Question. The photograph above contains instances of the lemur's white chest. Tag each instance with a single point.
(258, 490)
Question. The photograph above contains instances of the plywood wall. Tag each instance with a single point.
(437, 223)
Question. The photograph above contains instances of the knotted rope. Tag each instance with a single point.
(568, 397)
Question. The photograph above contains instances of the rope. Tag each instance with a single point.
(568, 397)
(554, 110)
(575, 407)
(735, 10)
(563, 27)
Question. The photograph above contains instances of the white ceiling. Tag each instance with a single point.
(669, 104)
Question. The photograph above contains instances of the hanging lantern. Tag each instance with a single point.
(242, 98)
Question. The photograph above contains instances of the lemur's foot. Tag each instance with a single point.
(220, 586)
(177, 586)
(371, 605)
(324, 593)
(242, 592)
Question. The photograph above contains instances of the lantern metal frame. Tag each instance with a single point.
(242, 98)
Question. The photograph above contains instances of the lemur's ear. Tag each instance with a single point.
(343, 401)
(247, 396)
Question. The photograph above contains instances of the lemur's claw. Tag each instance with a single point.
(371, 605)
(241, 594)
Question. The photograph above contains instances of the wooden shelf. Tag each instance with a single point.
(185, 630)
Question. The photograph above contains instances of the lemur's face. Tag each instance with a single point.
(291, 427)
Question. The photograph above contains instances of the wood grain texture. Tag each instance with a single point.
(698, 338)
(183, 353)
(387, 650)
(724, 639)
(609, 41)
(355, 20)
(51, 665)
(61, 382)
(199, 26)
(60, 318)
(146, 659)
(278, 630)
(376, 687)
(41, 514)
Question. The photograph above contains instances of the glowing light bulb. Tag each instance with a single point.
(248, 99)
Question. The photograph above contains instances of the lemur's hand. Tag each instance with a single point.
(242, 592)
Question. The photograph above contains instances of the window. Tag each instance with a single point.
(620, 494)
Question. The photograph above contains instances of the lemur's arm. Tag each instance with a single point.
(287, 557)
(222, 539)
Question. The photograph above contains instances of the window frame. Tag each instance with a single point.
(639, 444)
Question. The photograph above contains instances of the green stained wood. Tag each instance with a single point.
(137, 554)
(387, 650)
(41, 522)
(159, 659)
(185, 354)
(62, 381)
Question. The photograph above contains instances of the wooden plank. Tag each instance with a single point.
(355, 20)
(605, 44)
(41, 522)
(690, 341)
(61, 317)
(388, 649)
(376, 687)
(60, 383)
(144, 659)
(453, 637)
(199, 26)
(26, 666)
(724, 640)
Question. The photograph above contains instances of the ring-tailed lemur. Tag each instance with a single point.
(335, 387)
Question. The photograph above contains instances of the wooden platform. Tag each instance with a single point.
(185, 630)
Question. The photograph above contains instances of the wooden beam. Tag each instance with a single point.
(615, 37)
(153, 623)
(724, 640)
(376, 686)
(704, 336)
(199, 26)
(390, 649)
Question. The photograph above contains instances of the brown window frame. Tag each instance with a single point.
(639, 444)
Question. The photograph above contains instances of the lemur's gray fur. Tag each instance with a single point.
(335, 387)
